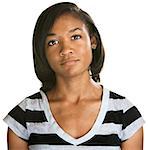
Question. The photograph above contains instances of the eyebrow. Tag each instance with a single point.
(70, 31)
(73, 30)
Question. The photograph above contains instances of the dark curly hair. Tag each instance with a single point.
(44, 23)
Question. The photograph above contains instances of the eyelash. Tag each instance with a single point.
(53, 42)
(76, 36)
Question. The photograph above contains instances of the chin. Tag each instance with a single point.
(75, 73)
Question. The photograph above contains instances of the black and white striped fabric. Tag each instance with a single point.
(33, 121)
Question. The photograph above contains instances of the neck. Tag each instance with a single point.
(74, 89)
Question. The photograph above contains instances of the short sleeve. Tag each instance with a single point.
(131, 120)
(16, 120)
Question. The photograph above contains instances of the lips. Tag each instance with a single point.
(69, 61)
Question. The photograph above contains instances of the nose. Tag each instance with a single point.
(66, 49)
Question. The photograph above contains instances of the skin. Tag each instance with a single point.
(73, 42)
(14, 142)
(68, 51)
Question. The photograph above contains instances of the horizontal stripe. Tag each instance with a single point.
(72, 147)
(113, 117)
(35, 96)
(132, 128)
(52, 139)
(109, 128)
(119, 104)
(103, 140)
(115, 95)
(19, 115)
(35, 116)
(130, 116)
(46, 127)
(16, 127)
(41, 128)
(34, 104)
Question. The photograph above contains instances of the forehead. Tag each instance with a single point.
(67, 22)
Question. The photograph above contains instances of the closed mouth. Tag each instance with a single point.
(69, 61)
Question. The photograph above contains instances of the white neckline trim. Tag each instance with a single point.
(65, 136)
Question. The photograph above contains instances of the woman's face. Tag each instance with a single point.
(68, 47)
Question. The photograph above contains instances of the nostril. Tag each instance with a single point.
(66, 52)
(61, 54)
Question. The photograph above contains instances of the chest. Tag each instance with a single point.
(76, 120)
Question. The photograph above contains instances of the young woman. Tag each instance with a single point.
(72, 110)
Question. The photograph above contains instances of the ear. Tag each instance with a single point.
(93, 42)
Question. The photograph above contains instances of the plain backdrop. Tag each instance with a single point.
(123, 26)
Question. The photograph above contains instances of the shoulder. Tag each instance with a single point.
(28, 110)
(35, 96)
(120, 110)
(114, 95)
(32, 102)
(118, 102)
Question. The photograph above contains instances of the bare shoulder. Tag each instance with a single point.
(14, 142)
(135, 142)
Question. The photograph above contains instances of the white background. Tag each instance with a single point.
(123, 26)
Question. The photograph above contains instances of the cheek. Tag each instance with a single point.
(86, 55)
(87, 51)
(52, 59)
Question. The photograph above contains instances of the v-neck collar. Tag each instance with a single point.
(65, 136)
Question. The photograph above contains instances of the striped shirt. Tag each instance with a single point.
(33, 121)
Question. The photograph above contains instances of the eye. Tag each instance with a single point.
(53, 42)
(76, 37)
